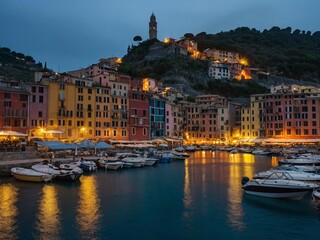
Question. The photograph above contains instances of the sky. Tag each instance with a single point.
(73, 34)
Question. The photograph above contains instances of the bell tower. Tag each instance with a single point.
(153, 27)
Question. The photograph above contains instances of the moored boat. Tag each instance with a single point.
(277, 188)
(280, 172)
(114, 165)
(30, 175)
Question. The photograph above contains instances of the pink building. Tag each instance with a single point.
(38, 113)
(292, 115)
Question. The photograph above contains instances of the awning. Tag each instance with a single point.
(56, 145)
(53, 131)
(12, 133)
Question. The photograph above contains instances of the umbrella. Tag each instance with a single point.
(12, 133)
(53, 131)
(103, 145)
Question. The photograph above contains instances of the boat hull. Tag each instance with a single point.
(289, 195)
(31, 178)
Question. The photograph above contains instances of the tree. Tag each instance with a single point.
(189, 35)
(137, 39)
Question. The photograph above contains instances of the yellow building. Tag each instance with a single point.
(78, 108)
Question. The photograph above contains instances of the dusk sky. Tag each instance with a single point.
(71, 34)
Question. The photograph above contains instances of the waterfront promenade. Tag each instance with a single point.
(25, 159)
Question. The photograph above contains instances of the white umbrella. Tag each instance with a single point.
(53, 131)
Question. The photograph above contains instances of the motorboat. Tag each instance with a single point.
(164, 157)
(112, 165)
(295, 173)
(136, 162)
(179, 155)
(30, 175)
(69, 175)
(148, 161)
(46, 168)
(301, 161)
(87, 166)
(260, 151)
(281, 187)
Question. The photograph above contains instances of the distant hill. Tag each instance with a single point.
(17, 66)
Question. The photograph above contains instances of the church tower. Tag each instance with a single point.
(153, 27)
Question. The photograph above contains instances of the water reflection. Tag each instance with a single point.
(88, 207)
(240, 165)
(8, 211)
(48, 224)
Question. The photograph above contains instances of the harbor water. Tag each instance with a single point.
(199, 198)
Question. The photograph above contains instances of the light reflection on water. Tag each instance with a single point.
(220, 167)
(48, 219)
(8, 211)
(235, 211)
(88, 210)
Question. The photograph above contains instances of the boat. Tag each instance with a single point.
(136, 162)
(179, 155)
(260, 151)
(114, 165)
(295, 173)
(69, 175)
(164, 157)
(300, 161)
(316, 194)
(87, 166)
(277, 188)
(30, 175)
(46, 168)
(190, 148)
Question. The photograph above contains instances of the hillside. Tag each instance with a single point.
(17, 66)
(282, 53)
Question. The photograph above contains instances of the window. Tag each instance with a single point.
(23, 97)
(133, 131)
(40, 114)
(40, 99)
(40, 89)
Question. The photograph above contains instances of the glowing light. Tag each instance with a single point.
(245, 74)
(166, 40)
(244, 61)
(48, 224)
(145, 84)
(119, 60)
(89, 205)
(8, 211)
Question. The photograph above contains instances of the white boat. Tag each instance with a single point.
(150, 161)
(179, 155)
(110, 165)
(46, 168)
(136, 162)
(301, 161)
(87, 166)
(295, 173)
(259, 151)
(30, 175)
(277, 188)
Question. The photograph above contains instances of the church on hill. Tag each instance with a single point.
(153, 27)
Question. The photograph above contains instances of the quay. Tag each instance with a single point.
(25, 159)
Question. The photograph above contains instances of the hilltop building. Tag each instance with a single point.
(153, 31)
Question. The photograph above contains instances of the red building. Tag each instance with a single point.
(14, 106)
(138, 112)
